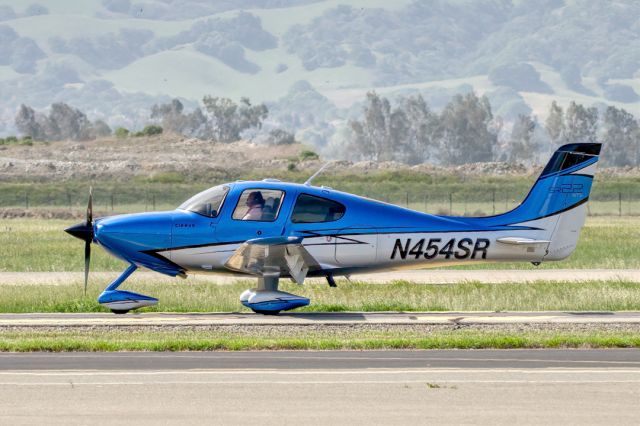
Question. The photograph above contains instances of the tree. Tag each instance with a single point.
(522, 142)
(422, 130)
(63, 122)
(251, 116)
(555, 124)
(173, 119)
(66, 122)
(28, 123)
(101, 129)
(170, 115)
(281, 137)
(464, 130)
(581, 124)
(196, 124)
(229, 119)
(381, 135)
(621, 138)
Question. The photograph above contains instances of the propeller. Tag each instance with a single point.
(84, 231)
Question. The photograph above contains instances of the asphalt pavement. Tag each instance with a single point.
(530, 387)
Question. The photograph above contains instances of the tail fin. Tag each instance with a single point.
(556, 205)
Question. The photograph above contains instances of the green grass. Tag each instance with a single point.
(98, 339)
(41, 245)
(396, 296)
(428, 192)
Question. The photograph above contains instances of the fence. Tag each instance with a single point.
(434, 200)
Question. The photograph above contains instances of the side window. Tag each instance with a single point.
(262, 205)
(312, 209)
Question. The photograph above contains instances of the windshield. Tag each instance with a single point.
(206, 203)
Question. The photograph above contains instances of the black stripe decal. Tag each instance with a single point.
(155, 254)
(579, 203)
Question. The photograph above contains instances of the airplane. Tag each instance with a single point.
(270, 229)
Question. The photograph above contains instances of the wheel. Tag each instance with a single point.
(119, 311)
(257, 311)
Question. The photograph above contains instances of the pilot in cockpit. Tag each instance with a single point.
(255, 202)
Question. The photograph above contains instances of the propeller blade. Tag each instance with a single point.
(87, 244)
(87, 260)
(84, 231)
(90, 207)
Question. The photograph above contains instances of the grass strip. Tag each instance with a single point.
(348, 296)
(208, 340)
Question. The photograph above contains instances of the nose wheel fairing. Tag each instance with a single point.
(123, 300)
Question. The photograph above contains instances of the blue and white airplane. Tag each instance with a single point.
(271, 230)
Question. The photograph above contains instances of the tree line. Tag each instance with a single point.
(466, 131)
(220, 119)
(407, 131)
(62, 122)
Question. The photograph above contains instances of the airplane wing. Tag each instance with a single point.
(273, 255)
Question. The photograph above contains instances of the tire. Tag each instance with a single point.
(119, 311)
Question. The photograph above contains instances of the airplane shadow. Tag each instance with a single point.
(326, 316)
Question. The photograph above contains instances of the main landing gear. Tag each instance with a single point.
(266, 299)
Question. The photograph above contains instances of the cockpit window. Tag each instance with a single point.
(312, 209)
(260, 205)
(206, 203)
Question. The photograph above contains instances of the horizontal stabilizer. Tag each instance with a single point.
(521, 241)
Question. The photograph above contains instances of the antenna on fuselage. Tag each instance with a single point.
(308, 182)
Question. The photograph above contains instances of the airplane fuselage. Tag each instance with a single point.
(271, 229)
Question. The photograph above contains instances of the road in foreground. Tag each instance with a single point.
(367, 387)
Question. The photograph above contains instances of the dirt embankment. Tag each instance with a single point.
(115, 159)
(177, 157)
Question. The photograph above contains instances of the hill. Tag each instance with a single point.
(115, 58)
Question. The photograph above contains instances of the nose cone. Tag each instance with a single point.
(82, 231)
(136, 231)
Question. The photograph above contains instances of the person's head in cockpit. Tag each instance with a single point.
(255, 202)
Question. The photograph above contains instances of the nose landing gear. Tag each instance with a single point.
(122, 301)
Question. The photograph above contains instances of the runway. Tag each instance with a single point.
(311, 318)
(584, 387)
(323, 360)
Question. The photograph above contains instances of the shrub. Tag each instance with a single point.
(149, 130)
(308, 155)
(11, 139)
(121, 133)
